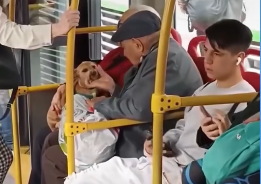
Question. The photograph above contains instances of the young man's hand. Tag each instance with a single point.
(69, 19)
(214, 126)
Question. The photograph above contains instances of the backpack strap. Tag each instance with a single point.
(9, 104)
(251, 109)
(232, 110)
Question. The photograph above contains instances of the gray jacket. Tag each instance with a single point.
(134, 100)
(204, 13)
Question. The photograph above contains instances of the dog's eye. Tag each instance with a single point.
(94, 67)
(85, 70)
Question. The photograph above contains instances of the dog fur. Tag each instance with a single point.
(87, 72)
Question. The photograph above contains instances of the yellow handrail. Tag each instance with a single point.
(160, 90)
(40, 6)
(69, 89)
(95, 29)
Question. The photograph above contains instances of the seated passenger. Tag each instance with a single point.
(138, 34)
(248, 171)
(116, 65)
(99, 144)
(223, 55)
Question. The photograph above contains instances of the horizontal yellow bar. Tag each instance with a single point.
(42, 88)
(86, 30)
(40, 6)
(217, 99)
(124, 122)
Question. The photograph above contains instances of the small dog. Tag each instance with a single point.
(87, 72)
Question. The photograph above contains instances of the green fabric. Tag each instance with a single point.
(234, 153)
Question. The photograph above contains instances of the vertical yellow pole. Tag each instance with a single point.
(160, 89)
(12, 10)
(16, 140)
(16, 144)
(69, 89)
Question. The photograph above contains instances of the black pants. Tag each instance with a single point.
(193, 174)
(36, 155)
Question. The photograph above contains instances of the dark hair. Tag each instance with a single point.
(229, 34)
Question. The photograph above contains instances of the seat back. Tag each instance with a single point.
(176, 36)
(250, 75)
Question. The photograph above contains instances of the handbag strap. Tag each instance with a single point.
(9, 104)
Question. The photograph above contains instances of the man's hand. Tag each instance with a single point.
(69, 19)
(92, 102)
(58, 100)
(222, 121)
(53, 119)
(166, 151)
(209, 128)
(105, 82)
(213, 127)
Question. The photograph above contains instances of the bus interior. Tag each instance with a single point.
(42, 70)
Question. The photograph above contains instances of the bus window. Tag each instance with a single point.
(48, 63)
(108, 13)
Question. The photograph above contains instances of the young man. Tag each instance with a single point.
(225, 48)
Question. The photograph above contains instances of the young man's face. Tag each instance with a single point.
(219, 64)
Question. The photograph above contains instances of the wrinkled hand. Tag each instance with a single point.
(105, 82)
(58, 100)
(53, 119)
(69, 19)
(166, 151)
(92, 102)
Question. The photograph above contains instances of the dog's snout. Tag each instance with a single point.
(94, 75)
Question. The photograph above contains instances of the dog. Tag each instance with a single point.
(87, 72)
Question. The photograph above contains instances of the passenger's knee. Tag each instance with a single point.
(51, 140)
(41, 135)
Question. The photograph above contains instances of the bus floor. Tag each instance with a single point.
(25, 167)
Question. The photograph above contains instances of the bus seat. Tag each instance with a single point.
(198, 60)
(176, 36)
(252, 77)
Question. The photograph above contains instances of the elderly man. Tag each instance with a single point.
(138, 34)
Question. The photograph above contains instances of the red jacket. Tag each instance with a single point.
(116, 65)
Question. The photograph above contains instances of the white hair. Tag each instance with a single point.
(145, 8)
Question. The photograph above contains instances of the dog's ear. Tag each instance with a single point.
(75, 77)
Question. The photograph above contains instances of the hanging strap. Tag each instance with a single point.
(9, 104)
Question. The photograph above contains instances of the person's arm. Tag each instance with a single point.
(23, 36)
(172, 136)
(135, 103)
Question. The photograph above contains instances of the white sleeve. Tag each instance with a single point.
(23, 36)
